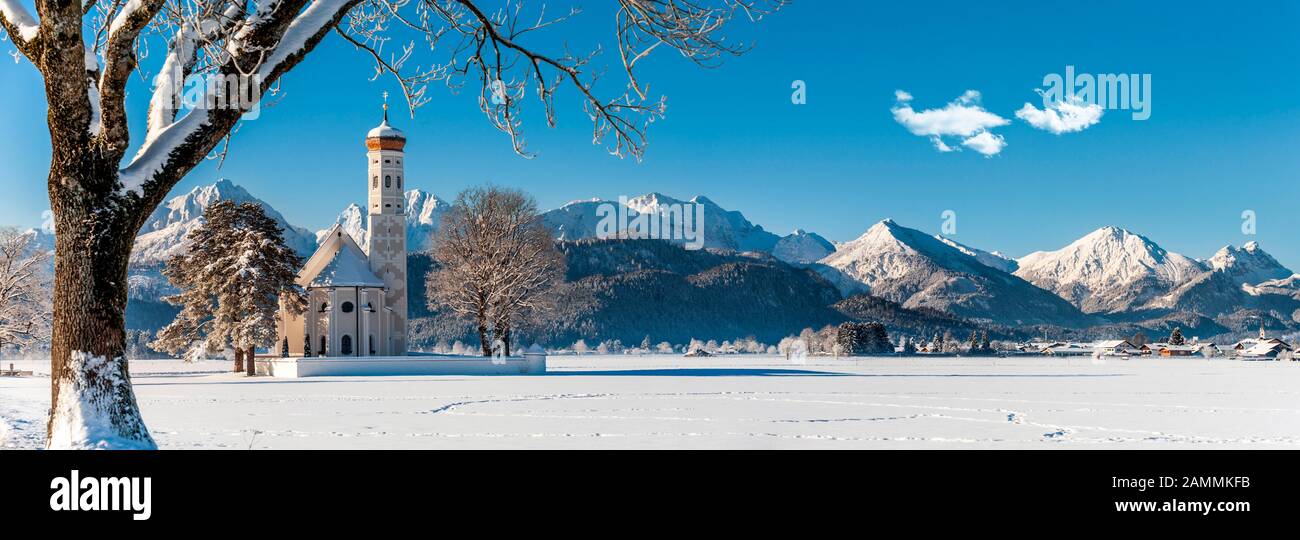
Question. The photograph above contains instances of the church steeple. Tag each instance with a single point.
(386, 225)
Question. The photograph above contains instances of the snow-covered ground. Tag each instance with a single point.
(728, 402)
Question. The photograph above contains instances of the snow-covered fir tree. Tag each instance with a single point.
(1176, 338)
(232, 282)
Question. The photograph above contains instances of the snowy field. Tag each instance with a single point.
(731, 402)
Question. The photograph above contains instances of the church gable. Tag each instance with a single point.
(338, 262)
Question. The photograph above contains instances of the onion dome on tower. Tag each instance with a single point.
(384, 136)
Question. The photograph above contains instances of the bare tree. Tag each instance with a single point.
(495, 262)
(24, 290)
(459, 283)
(527, 266)
(86, 51)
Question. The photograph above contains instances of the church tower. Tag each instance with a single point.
(386, 242)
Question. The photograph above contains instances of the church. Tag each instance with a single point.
(357, 295)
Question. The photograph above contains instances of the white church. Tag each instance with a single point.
(357, 295)
(356, 317)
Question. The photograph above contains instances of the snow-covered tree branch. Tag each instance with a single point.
(21, 26)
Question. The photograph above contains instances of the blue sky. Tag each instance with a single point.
(1221, 138)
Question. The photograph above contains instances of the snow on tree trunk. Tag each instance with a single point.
(92, 402)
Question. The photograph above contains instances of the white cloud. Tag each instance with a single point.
(985, 142)
(1061, 116)
(963, 117)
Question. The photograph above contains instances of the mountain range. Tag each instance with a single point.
(1109, 279)
(722, 229)
(919, 270)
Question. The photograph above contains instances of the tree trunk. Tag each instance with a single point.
(483, 328)
(239, 360)
(505, 340)
(483, 339)
(251, 357)
(92, 403)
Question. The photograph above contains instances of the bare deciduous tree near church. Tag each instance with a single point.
(496, 263)
(100, 195)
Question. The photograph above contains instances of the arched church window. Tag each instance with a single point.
(399, 182)
(347, 307)
(372, 344)
(324, 351)
(325, 306)
(347, 345)
(375, 183)
(388, 181)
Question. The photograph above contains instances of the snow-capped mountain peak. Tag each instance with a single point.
(802, 247)
(1248, 264)
(917, 269)
(1108, 270)
(721, 228)
(651, 202)
(163, 234)
(424, 212)
(994, 259)
(352, 220)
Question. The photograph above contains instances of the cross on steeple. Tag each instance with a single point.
(385, 106)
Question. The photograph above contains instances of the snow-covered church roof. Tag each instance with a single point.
(339, 262)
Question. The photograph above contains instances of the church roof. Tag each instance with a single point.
(347, 269)
(344, 264)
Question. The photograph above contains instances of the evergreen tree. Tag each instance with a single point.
(306, 345)
(1177, 337)
(878, 339)
(857, 339)
(232, 282)
(985, 346)
(846, 339)
(973, 345)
